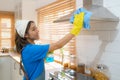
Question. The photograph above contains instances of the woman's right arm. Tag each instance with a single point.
(59, 44)
(77, 26)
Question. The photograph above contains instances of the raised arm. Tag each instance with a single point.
(77, 26)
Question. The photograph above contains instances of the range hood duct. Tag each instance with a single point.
(99, 13)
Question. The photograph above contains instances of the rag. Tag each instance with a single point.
(87, 15)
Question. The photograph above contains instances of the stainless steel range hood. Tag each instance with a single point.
(99, 12)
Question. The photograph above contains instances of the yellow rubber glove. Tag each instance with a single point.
(78, 24)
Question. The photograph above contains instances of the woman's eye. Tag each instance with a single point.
(34, 29)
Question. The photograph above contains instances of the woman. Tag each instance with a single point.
(33, 55)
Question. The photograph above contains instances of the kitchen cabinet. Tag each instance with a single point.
(16, 74)
(10, 69)
(5, 71)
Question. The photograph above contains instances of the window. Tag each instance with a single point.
(51, 32)
(6, 30)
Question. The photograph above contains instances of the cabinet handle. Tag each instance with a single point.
(20, 71)
(14, 65)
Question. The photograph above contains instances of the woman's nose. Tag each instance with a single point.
(37, 30)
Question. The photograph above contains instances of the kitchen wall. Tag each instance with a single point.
(101, 44)
(7, 5)
(29, 10)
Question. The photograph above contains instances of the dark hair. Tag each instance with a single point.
(21, 42)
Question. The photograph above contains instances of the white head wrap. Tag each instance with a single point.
(21, 26)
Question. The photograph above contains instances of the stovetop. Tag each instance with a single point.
(68, 74)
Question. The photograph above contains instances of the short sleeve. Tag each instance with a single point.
(35, 52)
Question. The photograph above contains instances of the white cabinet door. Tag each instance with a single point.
(19, 72)
(15, 69)
(5, 72)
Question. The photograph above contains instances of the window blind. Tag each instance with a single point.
(51, 32)
(6, 29)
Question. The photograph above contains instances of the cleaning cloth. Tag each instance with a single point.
(87, 15)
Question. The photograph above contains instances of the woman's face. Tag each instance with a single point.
(33, 32)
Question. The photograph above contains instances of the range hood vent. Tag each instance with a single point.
(99, 12)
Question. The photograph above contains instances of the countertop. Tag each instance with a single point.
(16, 57)
(49, 67)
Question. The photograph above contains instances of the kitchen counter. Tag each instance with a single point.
(16, 57)
(49, 67)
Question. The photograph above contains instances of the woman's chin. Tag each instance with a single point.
(37, 38)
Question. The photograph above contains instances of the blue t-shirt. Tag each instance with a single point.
(33, 59)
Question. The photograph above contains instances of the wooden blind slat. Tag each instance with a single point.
(51, 32)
